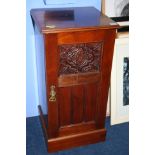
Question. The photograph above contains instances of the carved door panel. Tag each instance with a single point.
(78, 86)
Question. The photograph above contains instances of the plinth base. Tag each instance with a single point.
(66, 142)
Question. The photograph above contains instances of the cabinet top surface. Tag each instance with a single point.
(70, 19)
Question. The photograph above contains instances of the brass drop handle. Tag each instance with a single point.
(52, 94)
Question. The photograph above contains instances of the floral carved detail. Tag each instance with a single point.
(80, 58)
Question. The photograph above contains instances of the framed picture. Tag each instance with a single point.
(118, 10)
(115, 8)
(119, 89)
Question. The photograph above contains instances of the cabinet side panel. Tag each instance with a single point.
(103, 88)
(40, 59)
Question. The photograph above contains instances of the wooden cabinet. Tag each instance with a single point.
(74, 50)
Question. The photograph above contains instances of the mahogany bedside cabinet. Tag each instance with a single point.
(74, 51)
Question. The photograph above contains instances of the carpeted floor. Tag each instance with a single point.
(117, 141)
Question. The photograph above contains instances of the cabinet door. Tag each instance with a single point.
(78, 68)
(78, 83)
